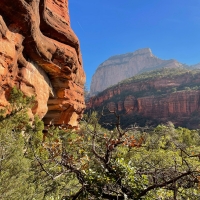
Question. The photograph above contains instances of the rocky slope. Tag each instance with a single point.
(40, 54)
(154, 97)
(196, 66)
(118, 68)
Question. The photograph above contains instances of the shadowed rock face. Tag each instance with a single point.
(40, 54)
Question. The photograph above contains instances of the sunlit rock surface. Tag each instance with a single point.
(120, 67)
(40, 54)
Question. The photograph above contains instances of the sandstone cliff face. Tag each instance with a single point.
(118, 68)
(40, 54)
(155, 99)
(180, 105)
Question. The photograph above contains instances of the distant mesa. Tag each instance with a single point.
(120, 67)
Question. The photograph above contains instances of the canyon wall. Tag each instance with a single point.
(175, 99)
(40, 55)
(120, 67)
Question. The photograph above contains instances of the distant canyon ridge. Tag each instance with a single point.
(152, 98)
(146, 90)
(120, 67)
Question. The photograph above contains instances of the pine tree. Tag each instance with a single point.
(14, 166)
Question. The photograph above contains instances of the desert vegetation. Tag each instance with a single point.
(51, 162)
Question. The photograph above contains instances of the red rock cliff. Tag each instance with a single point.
(162, 98)
(40, 54)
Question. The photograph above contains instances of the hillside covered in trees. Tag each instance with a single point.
(152, 98)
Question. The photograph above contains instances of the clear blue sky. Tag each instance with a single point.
(171, 28)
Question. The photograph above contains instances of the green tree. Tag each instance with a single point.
(94, 163)
(14, 166)
(132, 164)
(174, 89)
(27, 170)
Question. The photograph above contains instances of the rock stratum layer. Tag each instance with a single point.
(40, 54)
(165, 95)
(120, 67)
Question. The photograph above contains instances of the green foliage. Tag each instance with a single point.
(140, 162)
(19, 102)
(174, 89)
(187, 88)
(27, 170)
(14, 166)
(51, 162)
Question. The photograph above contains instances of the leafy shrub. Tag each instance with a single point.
(94, 162)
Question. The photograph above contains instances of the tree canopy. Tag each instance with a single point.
(38, 162)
